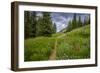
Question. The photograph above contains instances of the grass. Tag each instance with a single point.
(73, 45)
(38, 48)
(57, 34)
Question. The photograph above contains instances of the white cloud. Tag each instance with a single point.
(39, 14)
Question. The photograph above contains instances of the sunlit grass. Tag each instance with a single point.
(75, 45)
(39, 48)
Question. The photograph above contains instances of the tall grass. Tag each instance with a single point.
(75, 45)
(38, 48)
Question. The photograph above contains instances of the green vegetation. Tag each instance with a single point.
(75, 44)
(76, 23)
(72, 42)
(39, 48)
(38, 25)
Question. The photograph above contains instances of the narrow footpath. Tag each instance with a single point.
(53, 53)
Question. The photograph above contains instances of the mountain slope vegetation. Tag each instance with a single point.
(70, 45)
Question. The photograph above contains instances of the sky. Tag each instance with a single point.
(62, 19)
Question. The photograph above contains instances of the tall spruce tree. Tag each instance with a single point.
(27, 24)
(79, 22)
(33, 24)
(54, 28)
(39, 27)
(88, 20)
(74, 21)
(69, 27)
(47, 24)
(72, 24)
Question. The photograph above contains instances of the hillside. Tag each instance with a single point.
(75, 44)
(70, 45)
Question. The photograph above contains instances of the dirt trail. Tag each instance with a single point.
(61, 36)
(53, 53)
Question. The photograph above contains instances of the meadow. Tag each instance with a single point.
(70, 45)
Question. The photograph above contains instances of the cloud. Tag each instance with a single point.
(61, 20)
(39, 14)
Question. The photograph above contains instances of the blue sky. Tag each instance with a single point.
(62, 19)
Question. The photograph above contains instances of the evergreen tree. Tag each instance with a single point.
(54, 28)
(85, 22)
(33, 24)
(27, 22)
(79, 22)
(88, 22)
(39, 27)
(74, 21)
(70, 26)
(47, 24)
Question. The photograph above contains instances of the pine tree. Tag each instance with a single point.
(88, 22)
(74, 21)
(39, 27)
(33, 24)
(79, 22)
(27, 22)
(47, 24)
(69, 27)
(54, 28)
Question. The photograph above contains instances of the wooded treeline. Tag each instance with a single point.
(38, 25)
(75, 23)
(43, 26)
